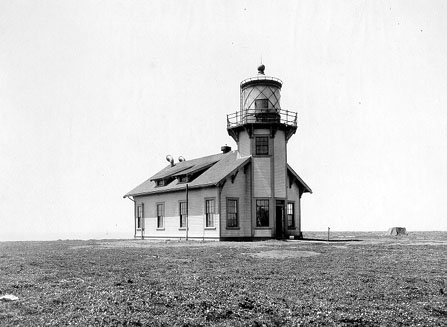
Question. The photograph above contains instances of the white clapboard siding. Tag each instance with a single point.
(293, 194)
(280, 165)
(196, 228)
(244, 145)
(262, 177)
(268, 232)
(240, 189)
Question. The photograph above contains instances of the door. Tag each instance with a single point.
(279, 221)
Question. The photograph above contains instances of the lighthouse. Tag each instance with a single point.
(249, 193)
(261, 129)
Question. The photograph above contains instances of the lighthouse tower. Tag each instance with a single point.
(261, 129)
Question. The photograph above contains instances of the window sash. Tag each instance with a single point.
(232, 213)
(182, 214)
(209, 220)
(262, 213)
(262, 145)
(209, 213)
(139, 215)
(290, 215)
(160, 215)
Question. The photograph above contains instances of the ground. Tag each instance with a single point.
(357, 279)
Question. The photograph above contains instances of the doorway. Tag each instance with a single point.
(280, 219)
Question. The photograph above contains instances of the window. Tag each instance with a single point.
(139, 216)
(290, 215)
(209, 213)
(232, 213)
(183, 214)
(160, 215)
(262, 145)
(183, 179)
(160, 182)
(262, 213)
(261, 104)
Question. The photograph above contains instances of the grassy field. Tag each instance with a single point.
(358, 279)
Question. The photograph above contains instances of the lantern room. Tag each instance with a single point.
(260, 107)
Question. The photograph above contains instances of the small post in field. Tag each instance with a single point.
(328, 231)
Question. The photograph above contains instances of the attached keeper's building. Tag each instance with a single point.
(247, 194)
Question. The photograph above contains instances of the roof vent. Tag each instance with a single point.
(170, 159)
(181, 159)
(225, 148)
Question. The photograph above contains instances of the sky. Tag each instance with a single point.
(95, 94)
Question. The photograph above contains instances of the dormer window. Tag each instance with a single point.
(160, 182)
(183, 179)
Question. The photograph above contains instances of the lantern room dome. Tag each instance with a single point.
(261, 79)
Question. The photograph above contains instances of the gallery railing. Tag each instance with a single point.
(262, 116)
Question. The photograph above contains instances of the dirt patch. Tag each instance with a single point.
(283, 254)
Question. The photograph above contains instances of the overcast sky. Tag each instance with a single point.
(95, 94)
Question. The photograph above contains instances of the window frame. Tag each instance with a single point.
(264, 201)
(236, 213)
(139, 216)
(292, 215)
(264, 146)
(209, 216)
(183, 216)
(162, 216)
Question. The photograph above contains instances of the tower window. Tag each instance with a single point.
(261, 104)
(262, 145)
(262, 213)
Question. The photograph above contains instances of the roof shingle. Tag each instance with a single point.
(221, 165)
(215, 169)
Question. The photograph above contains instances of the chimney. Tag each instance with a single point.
(225, 148)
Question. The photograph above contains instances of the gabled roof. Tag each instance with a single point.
(299, 180)
(215, 168)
